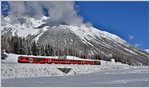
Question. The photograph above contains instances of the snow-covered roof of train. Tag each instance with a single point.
(57, 57)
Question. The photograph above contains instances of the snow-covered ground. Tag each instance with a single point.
(46, 70)
(107, 74)
(97, 79)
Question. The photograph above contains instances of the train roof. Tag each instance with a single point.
(61, 57)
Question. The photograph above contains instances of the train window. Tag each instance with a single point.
(38, 60)
(27, 58)
(20, 58)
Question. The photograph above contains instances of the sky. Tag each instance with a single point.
(129, 20)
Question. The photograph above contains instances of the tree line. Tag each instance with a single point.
(18, 45)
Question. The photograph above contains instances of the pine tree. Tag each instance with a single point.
(46, 50)
(42, 50)
(34, 48)
(16, 46)
(50, 49)
(21, 50)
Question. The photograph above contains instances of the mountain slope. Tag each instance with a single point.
(85, 40)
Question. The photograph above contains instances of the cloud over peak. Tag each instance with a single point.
(131, 37)
(58, 11)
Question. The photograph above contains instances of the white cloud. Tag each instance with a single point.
(147, 50)
(59, 11)
(137, 44)
(131, 37)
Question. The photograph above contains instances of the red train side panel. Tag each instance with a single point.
(37, 60)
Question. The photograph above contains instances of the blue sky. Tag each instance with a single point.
(129, 20)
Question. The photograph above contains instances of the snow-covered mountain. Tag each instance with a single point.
(84, 39)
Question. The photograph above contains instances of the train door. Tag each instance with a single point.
(30, 59)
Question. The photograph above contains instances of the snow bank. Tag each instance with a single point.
(46, 70)
(11, 58)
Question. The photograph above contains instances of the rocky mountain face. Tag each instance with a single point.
(83, 39)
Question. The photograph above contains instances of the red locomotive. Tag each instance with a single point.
(43, 60)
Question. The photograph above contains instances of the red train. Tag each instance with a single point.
(43, 60)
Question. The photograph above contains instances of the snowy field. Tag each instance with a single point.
(109, 74)
(11, 71)
(46, 75)
(85, 80)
